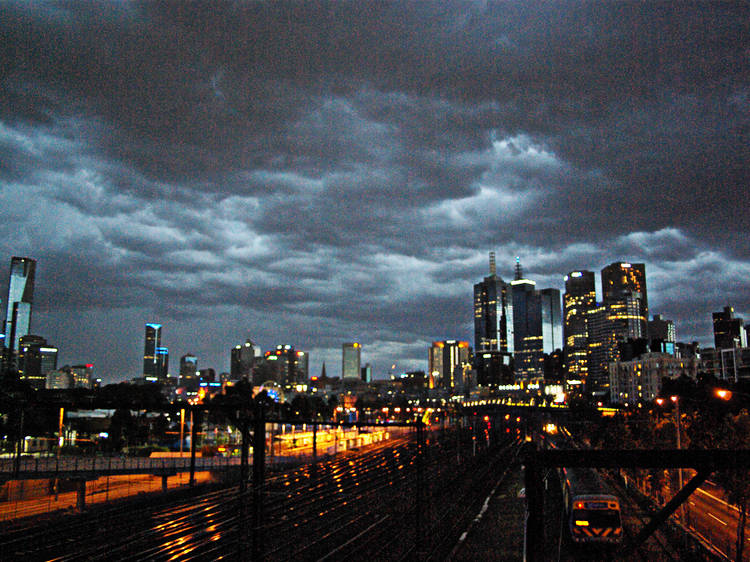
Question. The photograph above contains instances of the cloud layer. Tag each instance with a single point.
(317, 173)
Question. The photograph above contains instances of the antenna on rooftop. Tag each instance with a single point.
(519, 270)
(493, 269)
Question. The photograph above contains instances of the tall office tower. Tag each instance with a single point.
(661, 329)
(350, 360)
(578, 300)
(188, 368)
(242, 361)
(493, 313)
(625, 283)
(527, 327)
(151, 366)
(626, 318)
(366, 373)
(552, 337)
(162, 363)
(447, 361)
(602, 345)
(20, 297)
(282, 365)
(728, 330)
(35, 360)
(303, 366)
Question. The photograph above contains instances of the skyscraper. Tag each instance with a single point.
(728, 330)
(578, 300)
(20, 297)
(35, 360)
(151, 360)
(162, 363)
(622, 316)
(350, 361)
(624, 290)
(283, 366)
(303, 366)
(661, 329)
(493, 313)
(242, 361)
(552, 338)
(527, 326)
(602, 346)
(366, 372)
(447, 361)
(188, 368)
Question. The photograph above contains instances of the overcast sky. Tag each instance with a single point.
(314, 173)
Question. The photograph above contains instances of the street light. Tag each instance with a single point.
(678, 421)
(723, 393)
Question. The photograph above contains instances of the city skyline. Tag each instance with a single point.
(153, 330)
(316, 173)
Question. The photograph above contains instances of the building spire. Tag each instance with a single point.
(519, 270)
(493, 269)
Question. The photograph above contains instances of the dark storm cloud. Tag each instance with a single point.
(332, 171)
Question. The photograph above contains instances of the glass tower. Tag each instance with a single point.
(152, 359)
(20, 296)
(350, 361)
(493, 313)
(579, 299)
(624, 291)
(552, 338)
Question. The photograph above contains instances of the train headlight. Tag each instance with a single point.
(580, 523)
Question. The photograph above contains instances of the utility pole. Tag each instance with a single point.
(678, 421)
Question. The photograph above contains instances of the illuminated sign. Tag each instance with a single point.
(576, 274)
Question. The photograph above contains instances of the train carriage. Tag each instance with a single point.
(592, 512)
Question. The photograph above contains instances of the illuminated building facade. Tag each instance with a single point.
(624, 289)
(579, 299)
(35, 359)
(283, 365)
(303, 366)
(448, 362)
(82, 376)
(20, 297)
(639, 380)
(728, 330)
(601, 346)
(162, 363)
(622, 316)
(151, 359)
(351, 356)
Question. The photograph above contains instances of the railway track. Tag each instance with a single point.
(357, 504)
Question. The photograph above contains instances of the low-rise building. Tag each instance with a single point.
(641, 378)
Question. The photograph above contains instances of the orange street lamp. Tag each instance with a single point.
(724, 394)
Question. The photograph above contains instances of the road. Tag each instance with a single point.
(715, 520)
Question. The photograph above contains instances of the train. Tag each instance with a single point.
(591, 511)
